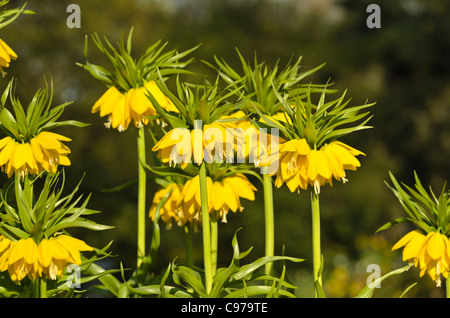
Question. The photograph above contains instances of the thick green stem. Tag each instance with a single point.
(43, 288)
(317, 256)
(447, 287)
(142, 179)
(207, 257)
(214, 242)
(269, 221)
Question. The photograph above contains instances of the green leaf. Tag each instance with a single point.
(254, 291)
(248, 269)
(7, 120)
(396, 221)
(191, 277)
(106, 278)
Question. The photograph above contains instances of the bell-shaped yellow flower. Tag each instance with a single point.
(132, 106)
(300, 166)
(171, 210)
(252, 144)
(44, 152)
(223, 195)
(25, 258)
(6, 54)
(430, 253)
(210, 143)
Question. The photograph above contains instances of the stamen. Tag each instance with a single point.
(317, 187)
(108, 123)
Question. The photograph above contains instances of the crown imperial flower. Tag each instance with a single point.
(49, 258)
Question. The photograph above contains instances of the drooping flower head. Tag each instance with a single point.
(171, 211)
(129, 82)
(226, 187)
(34, 243)
(29, 148)
(428, 246)
(49, 258)
(224, 195)
(201, 130)
(430, 253)
(312, 154)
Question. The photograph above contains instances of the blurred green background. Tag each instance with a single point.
(403, 66)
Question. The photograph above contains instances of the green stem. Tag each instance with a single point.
(317, 256)
(214, 242)
(269, 220)
(189, 247)
(447, 287)
(43, 288)
(141, 196)
(207, 257)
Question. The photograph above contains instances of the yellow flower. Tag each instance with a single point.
(431, 253)
(182, 146)
(300, 166)
(25, 258)
(43, 152)
(252, 144)
(171, 210)
(226, 194)
(132, 106)
(223, 195)
(6, 54)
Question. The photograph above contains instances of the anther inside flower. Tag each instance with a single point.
(44, 152)
(300, 166)
(430, 253)
(132, 106)
(49, 258)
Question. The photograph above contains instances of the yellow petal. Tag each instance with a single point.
(17, 251)
(5, 141)
(21, 155)
(7, 151)
(7, 51)
(162, 99)
(45, 252)
(106, 102)
(30, 251)
(318, 166)
(405, 239)
(436, 246)
(218, 195)
(413, 248)
(64, 160)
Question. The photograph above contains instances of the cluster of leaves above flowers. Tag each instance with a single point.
(29, 146)
(427, 246)
(129, 80)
